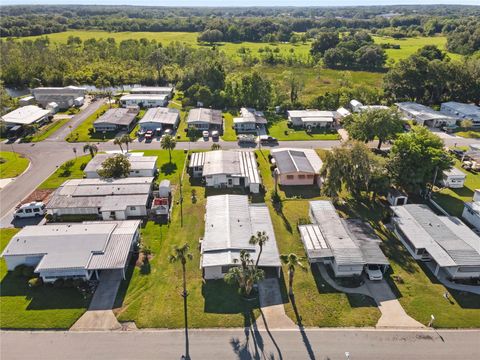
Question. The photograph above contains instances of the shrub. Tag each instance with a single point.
(49, 217)
(18, 271)
(58, 283)
(78, 282)
(35, 282)
(68, 283)
(28, 271)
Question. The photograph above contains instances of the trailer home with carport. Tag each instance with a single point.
(140, 166)
(424, 115)
(118, 119)
(205, 119)
(74, 251)
(312, 118)
(446, 242)
(160, 118)
(230, 222)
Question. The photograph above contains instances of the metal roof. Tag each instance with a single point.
(230, 162)
(140, 97)
(443, 238)
(304, 114)
(249, 115)
(25, 115)
(466, 110)
(368, 242)
(344, 249)
(161, 115)
(118, 116)
(136, 162)
(90, 245)
(203, 115)
(454, 172)
(297, 160)
(230, 222)
(422, 112)
(120, 203)
(167, 90)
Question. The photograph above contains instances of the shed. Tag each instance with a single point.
(453, 178)
(396, 197)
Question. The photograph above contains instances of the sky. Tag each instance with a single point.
(243, 3)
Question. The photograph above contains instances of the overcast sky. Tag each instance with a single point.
(218, 3)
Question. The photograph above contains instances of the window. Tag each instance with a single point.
(137, 172)
(36, 210)
(301, 176)
(309, 176)
(290, 177)
(225, 269)
(133, 208)
(28, 211)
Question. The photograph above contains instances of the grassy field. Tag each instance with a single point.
(229, 133)
(452, 200)
(151, 295)
(63, 174)
(409, 46)
(40, 308)
(279, 129)
(48, 130)
(12, 164)
(471, 134)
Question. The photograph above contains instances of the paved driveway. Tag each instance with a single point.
(273, 313)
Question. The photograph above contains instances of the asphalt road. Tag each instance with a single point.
(320, 344)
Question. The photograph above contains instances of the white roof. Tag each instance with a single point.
(229, 162)
(446, 239)
(249, 115)
(230, 222)
(355, 103)
(25, 115)
(161, 115)
(152, 90)
(139, 97)
(204, 115)
(304, 114)
(136, 162)
(343, 112)
(90, 245)
(454, 172)
(422, 112)
(291, 160)
(468, 110)
(373, 107)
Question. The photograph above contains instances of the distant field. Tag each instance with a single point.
(407, 46)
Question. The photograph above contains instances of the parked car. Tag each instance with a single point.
(215, 134)
(457, 153)
(30, 210)
(374, 272)
(266, 139)
(141, 132)
(205, 134)
(471, 166)
(246, 138)
(167, 132)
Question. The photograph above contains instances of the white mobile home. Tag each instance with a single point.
(453, 178)
(348, 246)
(226, 169)
(26, 115)
(160, 118)
(312, 118)
(108, 199)
(230, 222)
(249, 120)
(63, 96)
(205, 119)
(443, 240)
(144, 100)
(79, 251)
(140, 166)
(471, 210)
(462, 111)
(158, 90)
(118, 119)
(423, 115)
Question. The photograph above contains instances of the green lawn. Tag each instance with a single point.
(408, 46)
(81, 133)
(48, 130)
(279, 129)
(62, 175)
(151, 295)
(452, 200)
(168, 171)
(471, 134)
(40, 308)
(12, 164)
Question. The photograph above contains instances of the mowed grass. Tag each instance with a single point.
(38, 308)
(49, 129)
(151, 295)
(409, 46)
(82, 134)
(12, 164)
(317, 303)
(279, 129)
(452, 200)
(63, 174)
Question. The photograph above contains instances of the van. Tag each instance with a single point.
(30, 210)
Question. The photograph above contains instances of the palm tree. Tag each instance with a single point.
(216, 146)
(181, 255)
(168, 143)
(246, 275)
(118, 141)
(126, 139)
(292, 261)
(260, 239)
(92, 148)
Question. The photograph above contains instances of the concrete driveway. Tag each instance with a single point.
(273, 313)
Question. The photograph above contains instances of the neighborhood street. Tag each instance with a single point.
(320, 344)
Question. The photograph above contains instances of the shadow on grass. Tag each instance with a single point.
(122, 290)
(45, 297)
(278, 207)
(301, 192)
(221, 298)
(306, 341)
(452, 204)
(168, 168)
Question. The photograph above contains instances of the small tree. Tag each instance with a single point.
(118, 141)
(125, 139)
(259, 239)
(116, 166)
(292, 261)
(168, 143)
(91, 148)
(246, 275)
(466, 123)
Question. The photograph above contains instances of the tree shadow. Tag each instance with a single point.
(221, 298)
(278, 207)
(45, 297)
(168, 168)
(300, 192)
(306, 341)
(123, 288)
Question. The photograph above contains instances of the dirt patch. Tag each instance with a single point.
(141, 260)
(39, 195)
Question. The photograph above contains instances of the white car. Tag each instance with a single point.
(205, 134)
(167, 132)
(374, 272)
(215, 134)
(30, 210)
